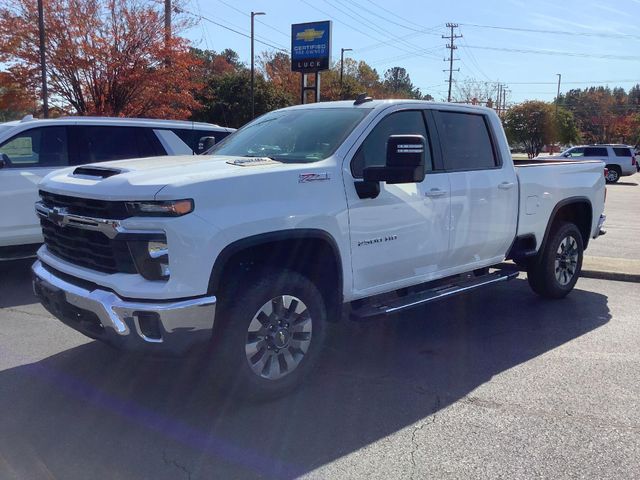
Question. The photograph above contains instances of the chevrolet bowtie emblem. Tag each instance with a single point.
(309, 35)
(56, 216)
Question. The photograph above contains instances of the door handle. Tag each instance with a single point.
(435, 192)
(506, 185)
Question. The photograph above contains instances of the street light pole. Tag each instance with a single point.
(558, 95)
(253, 14)
(342, 50)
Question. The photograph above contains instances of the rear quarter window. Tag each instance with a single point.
(622, 152)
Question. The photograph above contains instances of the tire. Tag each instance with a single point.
(271, 335)
(556, 269)
(613, 174)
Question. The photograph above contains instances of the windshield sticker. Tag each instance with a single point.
(312, 177)
(252, 162)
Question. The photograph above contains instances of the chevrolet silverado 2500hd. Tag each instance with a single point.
(383, 205)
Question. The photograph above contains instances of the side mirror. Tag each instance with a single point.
(405, 161)
(205, 143)
(5, 161)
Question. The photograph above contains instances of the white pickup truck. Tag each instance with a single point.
(381, 205)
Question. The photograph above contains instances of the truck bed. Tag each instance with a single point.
(545, 184)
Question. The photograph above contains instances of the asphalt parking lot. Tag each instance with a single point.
(495, 384)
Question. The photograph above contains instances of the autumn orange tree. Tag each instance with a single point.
(104, 57)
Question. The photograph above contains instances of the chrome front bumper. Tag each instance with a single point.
(599, 229)
(171, 327)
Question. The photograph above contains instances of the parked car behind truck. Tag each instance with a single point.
(31, 149)
(620, 160)
(382, 205)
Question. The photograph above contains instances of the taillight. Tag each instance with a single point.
(606, 172)
(633, 161)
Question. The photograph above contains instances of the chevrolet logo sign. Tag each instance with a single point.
(309, 35)
(57, 216)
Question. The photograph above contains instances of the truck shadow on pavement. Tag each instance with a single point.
(15, 283)
(89, 409)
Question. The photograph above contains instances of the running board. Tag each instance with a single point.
(443, 291)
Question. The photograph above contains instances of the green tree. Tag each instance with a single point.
(535, 124)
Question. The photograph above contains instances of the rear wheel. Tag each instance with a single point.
(555, 271)
(271, 335)
(613, 173)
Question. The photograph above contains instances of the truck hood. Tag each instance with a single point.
(143, 178)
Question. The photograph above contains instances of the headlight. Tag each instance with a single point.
(151, 258)
(165, 208)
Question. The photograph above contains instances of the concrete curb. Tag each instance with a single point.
(604, 268)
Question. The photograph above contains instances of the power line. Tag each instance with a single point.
(386, 19)
(371, 24)
(356, 28)
(258, 21)
(390, 12)
(556, 53)
(555, 32)
(585, 82)
(410, 35)
(232, 30)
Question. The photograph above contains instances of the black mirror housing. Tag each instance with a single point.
(205, 143)
(405, 161)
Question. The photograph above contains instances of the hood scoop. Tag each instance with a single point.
(99, 172)
(252, 161)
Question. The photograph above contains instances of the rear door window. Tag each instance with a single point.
(37, 147)
(466, 141)
(104, 143)
(595, 152)
(622, 151)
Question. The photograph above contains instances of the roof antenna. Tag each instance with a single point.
(362, 98)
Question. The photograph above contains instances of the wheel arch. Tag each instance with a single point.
(311, 252)
(575, 209)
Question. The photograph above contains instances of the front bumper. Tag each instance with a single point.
(171, 327)
(599, 229)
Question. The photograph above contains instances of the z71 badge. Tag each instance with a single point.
(312, 177)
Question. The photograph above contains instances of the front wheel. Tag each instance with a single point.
(271, 336)
(555, 271)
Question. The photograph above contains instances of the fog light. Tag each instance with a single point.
(151, 258)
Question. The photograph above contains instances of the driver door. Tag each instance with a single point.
(403, 233)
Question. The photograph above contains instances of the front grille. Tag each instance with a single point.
(86, 206)
(87, 248)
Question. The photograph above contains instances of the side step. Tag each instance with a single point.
(442, 291)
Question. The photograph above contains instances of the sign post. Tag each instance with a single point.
(310, 54)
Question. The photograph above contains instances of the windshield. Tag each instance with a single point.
(297, 136)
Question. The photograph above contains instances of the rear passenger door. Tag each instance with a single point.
(484, 190)
(32, 154)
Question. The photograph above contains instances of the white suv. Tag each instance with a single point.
(620, 159)
(30, 149)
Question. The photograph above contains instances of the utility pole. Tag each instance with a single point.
(342, 50)
(499, 98)
(167, 22)
(43, 64)
(253, 75)
(558, 95)
(504, 100)
(451, 37)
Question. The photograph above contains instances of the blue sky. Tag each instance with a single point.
(604, 47)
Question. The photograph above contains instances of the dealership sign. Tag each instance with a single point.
(310, 46)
